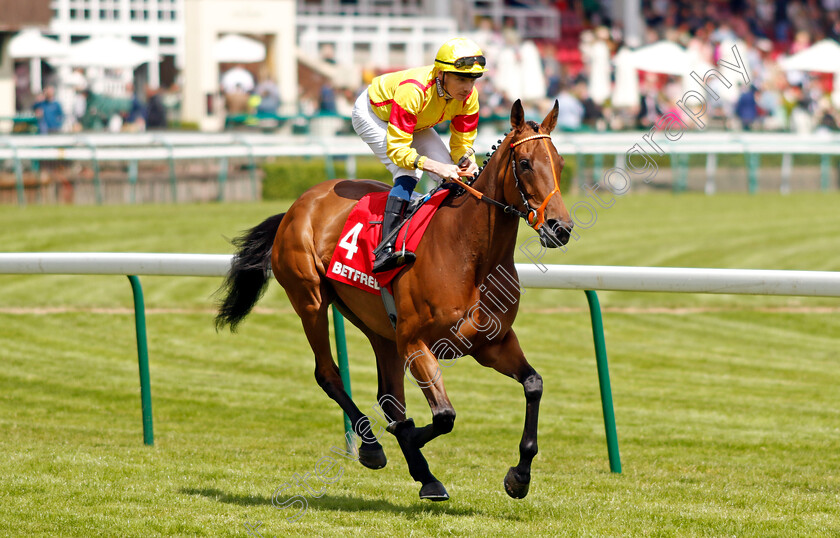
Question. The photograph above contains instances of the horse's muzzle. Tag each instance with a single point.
(555, 233)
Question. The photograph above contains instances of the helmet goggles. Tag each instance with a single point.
(466, 61)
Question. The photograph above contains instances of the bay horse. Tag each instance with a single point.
(436, 296)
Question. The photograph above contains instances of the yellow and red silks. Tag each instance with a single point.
(409, 102)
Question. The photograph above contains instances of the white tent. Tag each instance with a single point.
(31, 43)
(108, 52)
(662, 57)
(237, 48)
(823, 57)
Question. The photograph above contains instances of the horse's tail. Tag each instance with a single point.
(249, 272)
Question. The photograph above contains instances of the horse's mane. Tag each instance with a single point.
(532, 124)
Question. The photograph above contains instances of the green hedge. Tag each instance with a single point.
(288, 177)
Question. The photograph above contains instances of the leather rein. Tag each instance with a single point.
(535, 217)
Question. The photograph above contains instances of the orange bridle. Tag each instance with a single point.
(536, 217)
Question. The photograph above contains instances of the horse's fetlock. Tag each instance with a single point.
(528, 448)
(444, 421)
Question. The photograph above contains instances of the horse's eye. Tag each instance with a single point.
(524, 164)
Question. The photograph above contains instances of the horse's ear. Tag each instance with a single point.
(517, 116)
(550, 121)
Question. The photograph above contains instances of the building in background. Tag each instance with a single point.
(156, 24)
(15, 15)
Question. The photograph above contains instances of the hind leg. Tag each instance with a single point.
(312, 304)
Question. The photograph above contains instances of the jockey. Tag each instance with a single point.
(394, 116)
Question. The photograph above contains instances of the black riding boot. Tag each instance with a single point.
(387, 258)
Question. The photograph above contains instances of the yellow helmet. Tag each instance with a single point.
(462, 56)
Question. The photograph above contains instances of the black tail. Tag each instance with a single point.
(248, 277)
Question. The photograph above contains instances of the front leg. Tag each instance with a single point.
(422, 368)
(507, 357)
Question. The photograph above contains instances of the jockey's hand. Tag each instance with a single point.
(469, 168)
(447, 172)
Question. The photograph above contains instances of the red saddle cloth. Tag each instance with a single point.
(352, 260)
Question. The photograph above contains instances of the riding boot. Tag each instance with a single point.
(388, 257)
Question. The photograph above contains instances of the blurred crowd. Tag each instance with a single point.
(587, 69)
(595, 93)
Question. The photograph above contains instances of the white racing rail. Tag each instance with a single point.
(573, 277)
(576, 277)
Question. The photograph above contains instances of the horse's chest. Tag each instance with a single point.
(487, 318)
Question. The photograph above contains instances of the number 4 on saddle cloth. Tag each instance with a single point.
(352, 261)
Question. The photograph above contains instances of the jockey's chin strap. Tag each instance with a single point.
(534, 217)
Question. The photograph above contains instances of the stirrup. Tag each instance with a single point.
(389, 259)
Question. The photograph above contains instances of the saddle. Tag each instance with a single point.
(352, 260)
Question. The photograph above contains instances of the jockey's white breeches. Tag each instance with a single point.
(374, 131)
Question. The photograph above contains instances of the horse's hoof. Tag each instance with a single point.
(372, 459)
(516, 486)
(434, 491)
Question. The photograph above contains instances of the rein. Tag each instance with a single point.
(534, 217)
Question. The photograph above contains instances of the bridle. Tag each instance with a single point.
(535, 217)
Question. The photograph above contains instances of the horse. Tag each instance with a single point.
(445, 296)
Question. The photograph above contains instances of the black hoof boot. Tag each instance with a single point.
(372, 459)
(516, 485)
(434, 491)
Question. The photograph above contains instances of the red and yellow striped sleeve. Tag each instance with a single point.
(407, 105)
(464, 128)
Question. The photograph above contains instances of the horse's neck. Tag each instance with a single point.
(487, 235)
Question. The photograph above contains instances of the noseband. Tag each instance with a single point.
(535, 217)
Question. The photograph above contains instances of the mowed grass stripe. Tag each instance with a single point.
(727, 420)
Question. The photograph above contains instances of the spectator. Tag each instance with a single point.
(135, 120)
(326, 99)
(570, 110)
(155, 110)
(49, 113)
(746, 108)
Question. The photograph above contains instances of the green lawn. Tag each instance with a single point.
(727, 406)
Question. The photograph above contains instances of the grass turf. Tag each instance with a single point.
(726, 405)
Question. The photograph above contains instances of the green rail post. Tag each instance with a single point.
(581, 174)
(143, 360)
(252, 167)
(173, 180)
(223, 175)
(752, 172)
(825, 171)
(132, 180)
(597, 168)
(97, 184)
(344, 370)
(21, 193)
(604, 380)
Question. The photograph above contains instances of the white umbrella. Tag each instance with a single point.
(237, 48)
(626, 90)
(662, 57)
(508, 79)
(108, 52)
(237, 77)
(30, 43)
(823, 57)
(532, 77)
